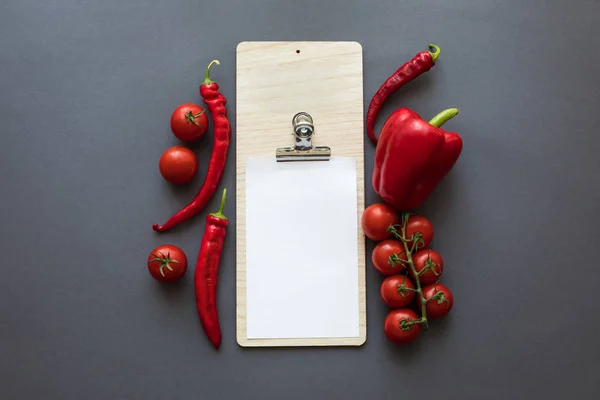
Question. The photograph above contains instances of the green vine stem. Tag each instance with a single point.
(417, 241)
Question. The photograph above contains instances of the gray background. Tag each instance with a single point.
(86, 90)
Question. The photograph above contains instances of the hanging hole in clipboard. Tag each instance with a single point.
(297, 51)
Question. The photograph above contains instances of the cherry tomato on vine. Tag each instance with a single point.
(442, 301)
(430, 261)
(167, 263)
(376, 219)
(397, 291)
(178, 165)
(395, 329)
(419, 224)
(382, 253)
(189, 122)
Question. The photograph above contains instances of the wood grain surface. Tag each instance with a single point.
(274, 81)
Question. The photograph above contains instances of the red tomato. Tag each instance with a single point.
(167, 263)
(430, 260)
(382, 253)
(396, 291)
(178, 165)
(189, 122)
(375, 220)
(442, 303)
(419, 224)
(394, 330)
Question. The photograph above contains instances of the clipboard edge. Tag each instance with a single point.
(241, 339)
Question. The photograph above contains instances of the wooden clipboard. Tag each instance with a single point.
(274, 81)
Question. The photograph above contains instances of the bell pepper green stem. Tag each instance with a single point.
(207, 80)
(434, 51)
(219, 214)
(443, 117)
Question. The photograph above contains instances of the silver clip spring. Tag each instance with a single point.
(303, 150)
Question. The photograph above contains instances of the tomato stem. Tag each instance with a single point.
(402, 289)
(429, 265)
(439, 298)
(192, 118)
(395, 259)
(416, 239)
(165, 262)
(407, 323)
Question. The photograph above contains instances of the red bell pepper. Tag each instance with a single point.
(412, 157)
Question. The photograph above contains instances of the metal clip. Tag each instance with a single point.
(304, 149)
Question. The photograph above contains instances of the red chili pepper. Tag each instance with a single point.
(419, 64)
(216, 102)
(207, 272)
(412, 157)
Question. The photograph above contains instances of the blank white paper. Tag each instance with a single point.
(301, 249)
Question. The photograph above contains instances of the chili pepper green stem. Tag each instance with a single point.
(434, 51)
(443, 117)
(219, 214)
(207, 80)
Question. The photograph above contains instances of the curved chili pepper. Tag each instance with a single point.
(216, 102)
(207, 272)
(410, 70)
